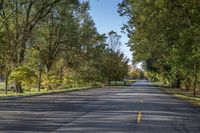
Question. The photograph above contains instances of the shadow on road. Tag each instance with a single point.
(100, 110)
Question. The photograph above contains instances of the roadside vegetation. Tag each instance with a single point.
(165, 36)
(48, 45)
(183, 94)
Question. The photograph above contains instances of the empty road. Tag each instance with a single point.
(103, 110)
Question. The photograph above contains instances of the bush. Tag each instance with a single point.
(23, 75)
(52, 82)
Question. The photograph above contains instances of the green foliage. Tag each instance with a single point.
(52, 82)
(23, 74)
(68, 81)
(165, 34)
(53, 44)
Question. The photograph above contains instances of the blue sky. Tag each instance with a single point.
(106, 18)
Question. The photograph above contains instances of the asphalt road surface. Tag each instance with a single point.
(103, 110)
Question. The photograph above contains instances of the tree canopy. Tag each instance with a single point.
(165, 34)
(54, 44)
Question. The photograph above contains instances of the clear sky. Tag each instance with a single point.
(106, 18)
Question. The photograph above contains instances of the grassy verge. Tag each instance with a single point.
(43, 91)
(2, 86)
(184, 95)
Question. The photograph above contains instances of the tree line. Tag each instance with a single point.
(165, 34)
(53, 44)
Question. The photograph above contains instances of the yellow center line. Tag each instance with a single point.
(139, 118)
(139, 114)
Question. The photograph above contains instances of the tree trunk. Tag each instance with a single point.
(162, 81)
(39, 80)
(109, 78)
(195, 79)
(22, 52)
(7, 73)
(19, 87)
(178, 81)
(6, 82)
(187, 83)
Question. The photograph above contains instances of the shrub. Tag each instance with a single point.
(52, 82)
(23, 75)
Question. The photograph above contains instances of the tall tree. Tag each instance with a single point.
(165, 32)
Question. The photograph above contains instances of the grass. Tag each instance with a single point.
(184, 95)
(2, 86)
(35, 92)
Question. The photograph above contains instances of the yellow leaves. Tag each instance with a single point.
(68, 80)
(22, 74)
(54, 81)
(134, 72)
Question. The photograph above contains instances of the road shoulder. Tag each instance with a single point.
(194, 101)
